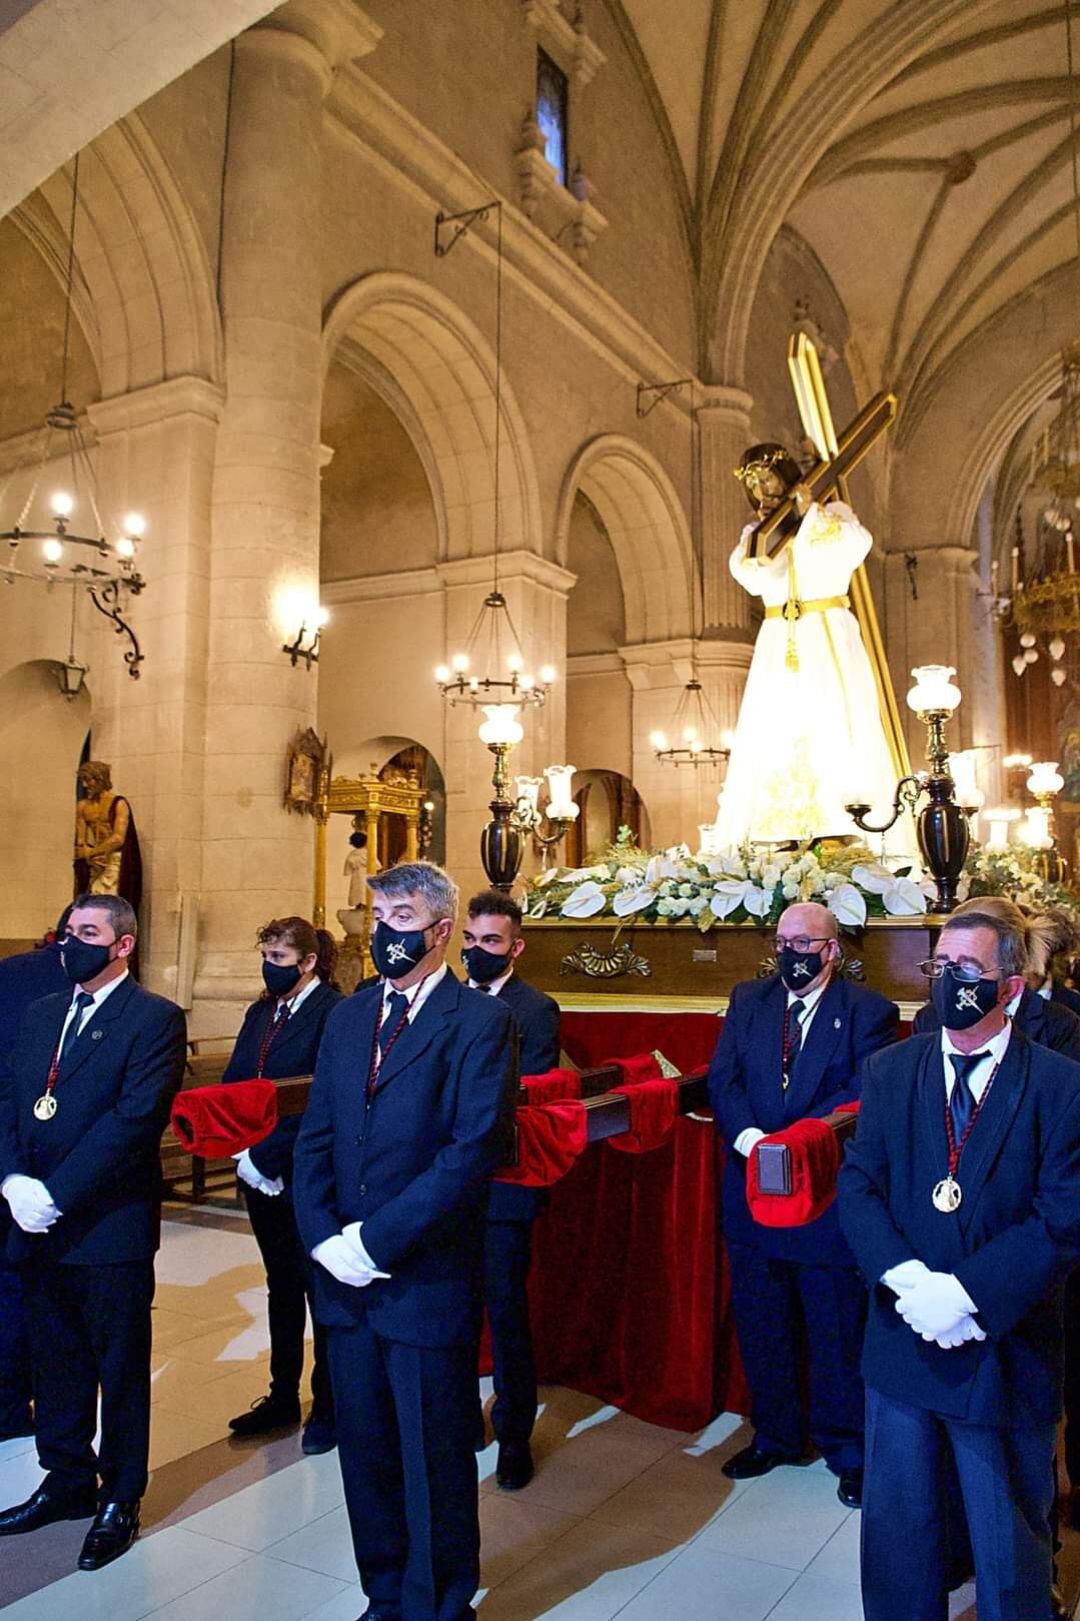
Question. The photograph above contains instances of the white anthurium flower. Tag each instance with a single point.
(730, 894)
(629, 876)
(659, 867)
(758, 901)
(904, 898)
(848, 906)
(538, 907)
(632, 900)
(550, 876)
(873, 877)
(586, 901)
(732, 865)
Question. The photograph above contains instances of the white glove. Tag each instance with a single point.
(247, 1172)
(905, 1276)
(967, 1330)
(340, 1259)
(747, 1140)
(351, 1235)
(30, 1203)
(935, 1305)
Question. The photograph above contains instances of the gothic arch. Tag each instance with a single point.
(438, 372)
(647, 527)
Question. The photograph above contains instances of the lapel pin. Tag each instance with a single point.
(96, 1035)
(837, 1023)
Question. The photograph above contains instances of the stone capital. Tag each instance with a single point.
(513, 566)
(157, 403)
(719, 401)
(337, 31)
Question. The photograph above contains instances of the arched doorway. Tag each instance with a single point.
(607, 801)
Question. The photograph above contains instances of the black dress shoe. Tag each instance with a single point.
(320, 1435)
(514, 1465)
(112, 1533)
(266, 1414)
(756, 1460)
(849, 1489)
(46, 1507)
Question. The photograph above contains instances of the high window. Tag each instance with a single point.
(552, 105)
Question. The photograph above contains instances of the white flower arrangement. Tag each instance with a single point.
(754, 886)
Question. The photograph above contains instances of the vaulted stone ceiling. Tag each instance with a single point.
(921, 150)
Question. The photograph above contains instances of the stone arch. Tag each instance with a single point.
(647, 527)
(144, 290)
(434, 367)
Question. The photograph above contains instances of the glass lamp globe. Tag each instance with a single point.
(934, 689)
(501, 724)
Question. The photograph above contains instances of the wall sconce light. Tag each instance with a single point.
(297, 650)
(560, 811)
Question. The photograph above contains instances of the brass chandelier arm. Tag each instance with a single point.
(906, 797)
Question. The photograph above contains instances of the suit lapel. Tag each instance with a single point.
(297, 1022)
(995, 1117)
(826, 1028)
(94, 1034)
(419, 1033)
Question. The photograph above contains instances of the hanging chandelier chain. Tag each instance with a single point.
(498, 385)
(1072, 127)
(70, 280)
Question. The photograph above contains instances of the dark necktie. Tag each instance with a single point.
(962, 1101)
(395, 1010)
(280, 1016)
(82, 1002)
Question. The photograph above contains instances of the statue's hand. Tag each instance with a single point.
(803, 498)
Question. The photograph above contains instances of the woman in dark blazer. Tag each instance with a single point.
(280, 1037)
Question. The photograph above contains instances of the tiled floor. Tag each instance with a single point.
(623, 1519)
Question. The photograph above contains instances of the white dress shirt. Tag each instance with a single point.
(494, 986)
(297, 1001)
(416, 995)
(979, 1077)
(86, 1014)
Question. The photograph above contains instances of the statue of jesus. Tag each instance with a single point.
(809, 737)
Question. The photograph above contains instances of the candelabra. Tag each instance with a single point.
(1038, 831)
(941, 825)
(560, 813)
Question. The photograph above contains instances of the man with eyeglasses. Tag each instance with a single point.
(791, 1047)
(960, 1197)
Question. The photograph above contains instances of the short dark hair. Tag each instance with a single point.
(494, 903)
(1005, 919)
(119, 911)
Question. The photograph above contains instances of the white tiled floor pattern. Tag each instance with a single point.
(623, 1519)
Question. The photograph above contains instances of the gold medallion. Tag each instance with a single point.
(45, 1107)
(947, 1195)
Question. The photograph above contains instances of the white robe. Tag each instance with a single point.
(808, 740)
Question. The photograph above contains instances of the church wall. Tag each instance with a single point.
(599, 715)
(187, 123)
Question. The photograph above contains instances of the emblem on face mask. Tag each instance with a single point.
(966, 997)
(397, 953)
(800, 971)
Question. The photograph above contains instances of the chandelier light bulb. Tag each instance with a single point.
(658, 740)
(1019, 663)
(526, 683)
(1027, 639)
(474, 683)
(442, 674)
(695, 746)
(547, 674)
(727, 738)
(1031, 656)
(515, 661)
(62, 504)
(689, 734)
(125, 547)
(1057, 648)
(135, 524)
(52, 551)
(460, 663)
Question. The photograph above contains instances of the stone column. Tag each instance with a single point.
(156, 454)
(938, 626)
(257, 861)
(723, 425)
(536, 592)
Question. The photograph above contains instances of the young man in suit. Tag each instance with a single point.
(24, 978)
(1042, 1020)
(409, 1114)
(791, 1047)
(91, 1080)
(493, 944)
(960, 1197)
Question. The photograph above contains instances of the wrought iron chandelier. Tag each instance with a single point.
(102, 562)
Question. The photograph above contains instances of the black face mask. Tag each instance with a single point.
(483, 966)
(959, 1005)
(396, 952)
(798, 969)
(279, 978)
(82, 961)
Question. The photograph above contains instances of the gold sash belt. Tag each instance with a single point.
(794, 609)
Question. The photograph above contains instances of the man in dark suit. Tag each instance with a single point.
(23, 979)
(791, 1047)
(1042, 1020)
(960, 1197)
(92, 1077)
(409, 1114)
(493, 944)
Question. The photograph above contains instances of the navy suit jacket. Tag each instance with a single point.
(1047, 1023)
(745, 1089)
(537, 1019)
(99, 1156)
(1064, 996)
(292, 1053)
(413, 1163)
(26, 978)
(1011, 1243)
